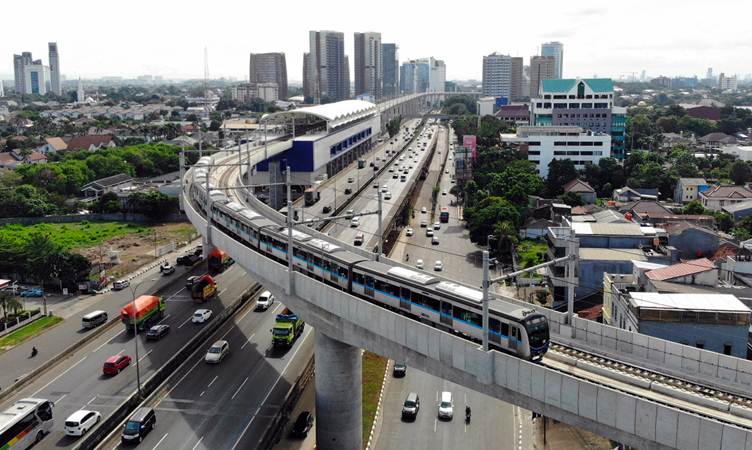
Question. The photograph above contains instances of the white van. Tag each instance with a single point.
(93, 319)
(264, 301)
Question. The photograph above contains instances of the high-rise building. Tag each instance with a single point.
(586, 103)
(390, 85)
(80, 95)
(269, 68)
(541, 68)
(2, 89)
(328, 66)
(19, 69)
(422, 75)
(408, 77)
(55, 82)
(727, 83)
(369, 65)
(36, 78)
(497, 75)
(555, 49)
(516, 85)
(307, 76)
(437, 75)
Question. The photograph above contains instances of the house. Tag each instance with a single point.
(717, 139)
(99, 187)
(516, 114)
(719, 196)
(627, 194)
(11, 160)
(582, 189)
(700, 271)
(688, 189)
(671, 140)
(184, 141)
(705, 112)
(535, 228)
(52, 144)
(691, 240)
(652, 212)
(90, 142)
(739, 210)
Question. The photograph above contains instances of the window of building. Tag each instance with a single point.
(727, 349)
(533, 152)
(574, 105)
(571, 96)
(559, 143)
(539, 105)
(598, 143)
(534, 143)
(581, 90)
(560, 105)
(546, 105)
(588, 96)
(547, 96)
(586, 105)
(601, 105)
(560, 97)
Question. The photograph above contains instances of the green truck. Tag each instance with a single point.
(287, 328)
(146, 309)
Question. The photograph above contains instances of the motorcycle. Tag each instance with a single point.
(467, 415)
(34, 352)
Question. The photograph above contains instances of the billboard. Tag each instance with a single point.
(470, 141)
(502, 101)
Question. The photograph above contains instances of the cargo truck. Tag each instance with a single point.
(219, 261)
(203, 289)
(147, 310)
(287, 327)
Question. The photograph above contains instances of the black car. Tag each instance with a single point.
(348, 191)
(303, 424)
(199, 250)
(399, 371)
(157, 332)
(190, 281)
(327, 209)
(188, 259)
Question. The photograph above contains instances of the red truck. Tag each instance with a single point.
(147, 310)
(203, 289)
(219, 261)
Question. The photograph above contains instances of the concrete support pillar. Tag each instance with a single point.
(339, 392)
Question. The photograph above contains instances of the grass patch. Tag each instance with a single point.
(531, 252)
(373, 377)
(29, 331)
(72, 235)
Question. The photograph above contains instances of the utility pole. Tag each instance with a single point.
(381, 232)
(486, 282)
(182, 174)
(571, 264)
(289, 233)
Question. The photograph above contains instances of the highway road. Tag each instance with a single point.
(227, 405)
(494, 424)
(77, 382)
(16, 362)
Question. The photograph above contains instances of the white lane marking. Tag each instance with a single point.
(202, 393)
(147, 354)
(213, 380)
(107, 342)
(163, 318)
(435, 423)
(57, 377)
(220, 292)
(247, 341)
(175, 294)
(185, 321)
(239, 388)
(160, 441)
(199, 441)
(120, 352)
(281, 373)
(92, 399)
(60, 399)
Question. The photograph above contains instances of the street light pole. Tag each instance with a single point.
(135, 332)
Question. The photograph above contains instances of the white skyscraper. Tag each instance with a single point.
(497, 75)
(55, 84)
(80, 95)
(36, 78)
(555, 49)
(2, 91)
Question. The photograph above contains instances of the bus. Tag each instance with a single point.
(25, 423)
(444, 214)
(312, 195)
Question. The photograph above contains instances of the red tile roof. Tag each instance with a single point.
(681, 270)
(578, 186)
(84, 142)
(726, 191)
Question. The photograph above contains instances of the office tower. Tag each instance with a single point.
(36, 78)
(436, 75)
(709, 75)
(346, 79)
(307, 76)
(19, 64)
(269, 68)
(80, 96)
(541, 68)
(327, 64)
(422, 75)
(407, 77)
(2, 89)
(390, 85)
(727, 83)
(369, 65)
(525, 81)
(55, 84)
(555, 49)
(516, 86)
(497, 75)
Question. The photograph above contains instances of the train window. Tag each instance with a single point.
(505, 329)
(459, 313)
(405, 293)
(379, 285)
(343, 272)
(392, 290)
(369, 281)
(446, 308)
(432, 303)
(416, 298)
(494, 324)
(358, 278)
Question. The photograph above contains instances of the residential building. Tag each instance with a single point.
(581, 189)
(555, 50)
(661, 82)
(19, 69)
(587, 103)
(437, 75)
(516, 114)
(627, 194)
(369, 64)
(268, 92)
(688, 189)
(541, 68)
(52, 145)
(708, 112)
(716, 197)
(328, 67)
(692, 241)
(269, 68)
(308, 79)
(545, 143)
(80, 95)
(390, 84)
(497, 75)
(716, 322)
(739, 210)
(700, 272)
(55, 81)
(37, 78)
(727, 83)
(90, 142)
(517, 79)
(11, 159)
(102, 186)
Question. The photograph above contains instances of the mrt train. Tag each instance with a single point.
(445, 305)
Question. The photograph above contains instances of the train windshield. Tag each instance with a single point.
(537, 330)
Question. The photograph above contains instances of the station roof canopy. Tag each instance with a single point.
(335, 114)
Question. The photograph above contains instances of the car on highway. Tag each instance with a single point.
(438, 266)
(32, 292)
(157, 332)
(446, 171)
(384, 189)
(303, 425)
(350, 212)
(409, 231)
(376, 184)
(359, 238)
(217, 352)
(399, 370)
(348, 191)
(435, 240)
(419, 264)
(437, 225)
(350, 180)
(391, 169)
(115, 363)
(188, 259)
(429, 232)
(423, 210)
(190, 281)
(355, 222)
(387, 195)
(81, 421)
(139, 424)
(403, 178)
(423, 223)
(120, 284)
(327, 209)
(167, 269)
(265, 300)
(395, 175)
(201, 315)
(411, 406)
(446, 406)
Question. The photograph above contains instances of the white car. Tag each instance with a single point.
(446, 407)
(355, 222)
(438, 266)
(201, 315)
(423, 210)
(387, 195)
(437, 225)
(419, 264)
(81, 421)
(384, 189)
(409, 231)
(120, 284)
(265, 300)
(350, 212)
(429, 232)
(217, 351)
(444, 192)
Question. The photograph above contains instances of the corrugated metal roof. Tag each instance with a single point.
(681, 270)
(692, 302)
(612, 229)
(612, 254)
(332, 112)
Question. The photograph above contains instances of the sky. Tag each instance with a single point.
(158, 37)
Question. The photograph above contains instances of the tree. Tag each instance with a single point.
(572, 199)
(9, 303)
(518, 180)
(483, 218)
(694, 208)
(393, 126)
(560, 172)
(740, 172)
(724, 221)
(153, 204)
(465, 104)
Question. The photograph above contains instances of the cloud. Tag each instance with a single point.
(588, 12)
(559, 34)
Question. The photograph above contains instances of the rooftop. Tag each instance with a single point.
(612, 254)
(693, 302)
(681, 270)
(334, 114)
(578, 186)
(565, 85)
(727, 191)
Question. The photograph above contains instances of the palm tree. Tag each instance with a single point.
(9, 302)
